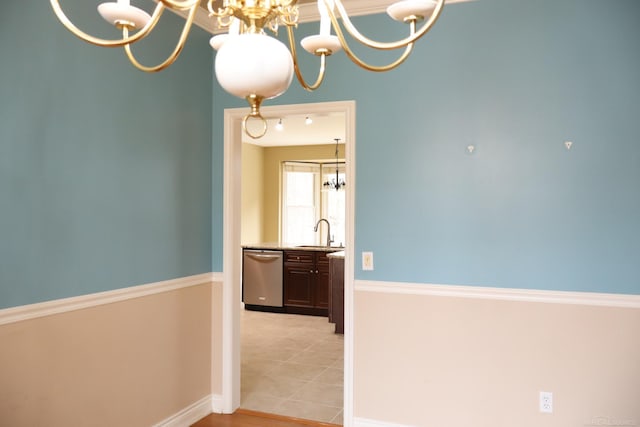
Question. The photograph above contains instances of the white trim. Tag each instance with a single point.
(217, 404)
(188, 415)
(349, 264)
(232, 246)
(231, 261)
(509, 294)
(47, 308)
(308, 12)
(364, 422)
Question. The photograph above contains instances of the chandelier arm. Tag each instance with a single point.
(221, 12)
(179, 5)
(144, 31)
(294, 55)
(376, 68)
(353, 31)
(174, 55)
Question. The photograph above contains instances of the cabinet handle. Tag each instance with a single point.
(316, 271)
(310, 271)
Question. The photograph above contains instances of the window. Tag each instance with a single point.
(303, 204)
(333, 204)
(300, 202)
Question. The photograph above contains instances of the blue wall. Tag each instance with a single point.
(105, 171)
(517, 80)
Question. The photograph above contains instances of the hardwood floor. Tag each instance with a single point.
(246, 418)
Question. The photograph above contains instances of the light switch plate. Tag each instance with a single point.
(367, 261)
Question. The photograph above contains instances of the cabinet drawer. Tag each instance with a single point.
(322, 258)
(298, 256)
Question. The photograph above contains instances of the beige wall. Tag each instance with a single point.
(252, 194)
(444, 361)
(129, 363)
(273, 158)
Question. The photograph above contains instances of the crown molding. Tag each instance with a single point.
(309, 12)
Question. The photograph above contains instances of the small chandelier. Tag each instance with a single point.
(249, 63)
(334, 183)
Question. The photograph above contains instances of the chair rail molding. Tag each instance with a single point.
(48, 308)
(509, 294)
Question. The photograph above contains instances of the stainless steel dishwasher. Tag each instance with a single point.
(262, 280)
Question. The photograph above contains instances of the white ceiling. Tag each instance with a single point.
(324, 129)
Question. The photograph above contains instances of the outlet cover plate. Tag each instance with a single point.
(546, 402)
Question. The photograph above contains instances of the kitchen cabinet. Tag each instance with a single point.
(306, 282)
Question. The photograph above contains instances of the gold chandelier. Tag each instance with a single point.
(249, 63)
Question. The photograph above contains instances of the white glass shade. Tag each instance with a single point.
(403, 9)
(217, 41)
(114, 13)
(313, 43)
(254, 64)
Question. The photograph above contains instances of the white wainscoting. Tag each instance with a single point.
(425, 352)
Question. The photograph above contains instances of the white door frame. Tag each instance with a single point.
(232, 250)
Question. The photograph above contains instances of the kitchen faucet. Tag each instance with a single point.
(329, 239)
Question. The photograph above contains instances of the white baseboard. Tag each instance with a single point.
(47, 308)
(508, 294)
(364, 422)
(189, 415)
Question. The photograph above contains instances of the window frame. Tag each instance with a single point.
(306, 167)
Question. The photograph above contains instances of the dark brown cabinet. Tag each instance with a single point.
(306, 282)
(336, 293)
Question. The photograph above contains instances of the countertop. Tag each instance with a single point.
(277, 246)
(339, 254)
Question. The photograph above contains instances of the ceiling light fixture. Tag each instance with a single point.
(249, 63)
(308, 120)
(334, 183)
(279, 126)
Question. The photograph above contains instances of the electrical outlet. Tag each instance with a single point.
(367, 260)
(546, 402)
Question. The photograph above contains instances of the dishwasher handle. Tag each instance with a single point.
(263, 257)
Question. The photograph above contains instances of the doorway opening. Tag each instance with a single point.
(232, 246)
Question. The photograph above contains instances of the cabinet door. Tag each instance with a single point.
(322, 288)
(321, 292)
(298, 285)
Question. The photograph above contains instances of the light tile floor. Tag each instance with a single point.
(292, 365)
